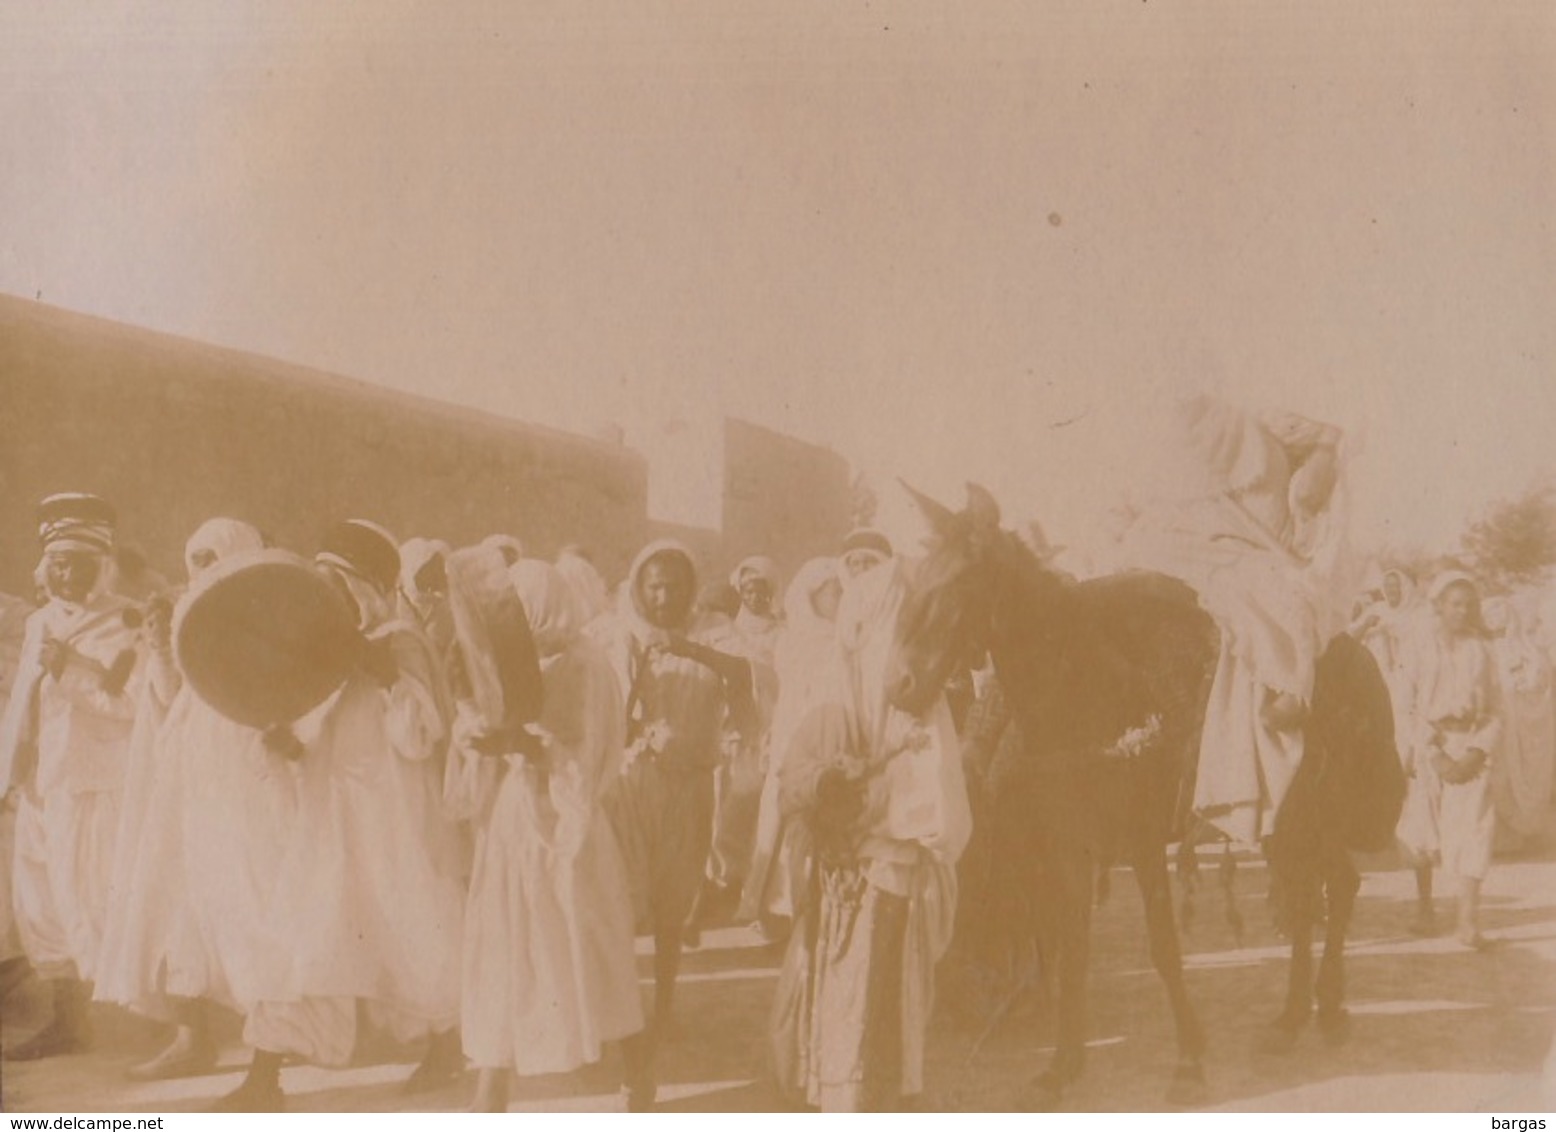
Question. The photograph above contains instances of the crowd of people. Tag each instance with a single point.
(420, 858)
(437, 854)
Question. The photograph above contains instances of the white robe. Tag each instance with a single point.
(63, 746)
(1526, 763)
(368, 895)
(808, 670)
(1455, 707)
(13, 627)
(549, 969)
(915, 825)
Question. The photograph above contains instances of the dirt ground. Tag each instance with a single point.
(1436, 1028)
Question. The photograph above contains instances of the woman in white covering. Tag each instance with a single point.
(882, 797)
(806, 662)
(1522, 771)
(1456, 725)
(549, 972)
(205, 809)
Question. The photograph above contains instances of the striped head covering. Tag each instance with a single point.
(76, 521)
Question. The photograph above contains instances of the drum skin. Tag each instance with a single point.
(264, 638)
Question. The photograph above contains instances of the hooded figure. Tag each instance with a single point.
(806, 662)
(64, 743)
(549, 970)
(679, 696)
(752, 635)
(880, 798)
(368, 896)
(862, 551)
(204, 820)
(509, 547)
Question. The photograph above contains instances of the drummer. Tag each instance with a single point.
(369, 895)
(63, 746)
(205, 808)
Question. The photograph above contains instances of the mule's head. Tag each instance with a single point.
(946, 620)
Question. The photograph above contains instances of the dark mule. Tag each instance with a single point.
(1108, 681)
(1345, 797)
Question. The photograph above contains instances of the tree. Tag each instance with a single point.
(1515, 543)
(863, 502)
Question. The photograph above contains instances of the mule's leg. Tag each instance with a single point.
(1296, 908)
(1188, 875)
(1150, 867)
(1068, 889)
(1342, 883)
(1228, 874)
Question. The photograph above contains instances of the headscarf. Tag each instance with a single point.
(81, 523)
(223, 538)
(757, 566)
(1446, 581)
(1224, 447)
(867, 541)
(756, 634)
(799, 607)
(1448, 578)
(593, 598)
(631, 609)
(512, 549)
(806, 657)
(1407, 589)
(551, 605)
(866, 626)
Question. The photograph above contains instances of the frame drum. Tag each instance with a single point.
(264, 638)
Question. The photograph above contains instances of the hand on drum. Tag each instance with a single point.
(279, 740)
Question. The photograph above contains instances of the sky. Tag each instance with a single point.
(953, 245)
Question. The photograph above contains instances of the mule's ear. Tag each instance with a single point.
(941, 518)
(982, 509)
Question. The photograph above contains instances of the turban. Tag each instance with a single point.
(76, 521)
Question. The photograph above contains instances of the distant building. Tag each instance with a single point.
(174, 432)
(783, 497)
